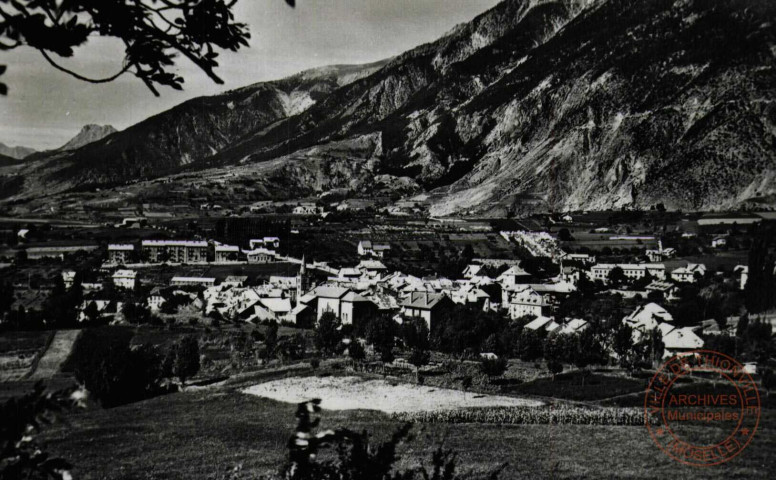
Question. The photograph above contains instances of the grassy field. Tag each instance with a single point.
(207, 433)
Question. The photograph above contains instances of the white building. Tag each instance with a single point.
(513, 276)
(646, 318)
(175, 251)
(124, 279)
(193, 281)
(68, 277)
(119, 254)
(687, 274)
(632, 271)
(266, 242)
(529, 303)
(366, 247)
(227, 253)
(260, 255)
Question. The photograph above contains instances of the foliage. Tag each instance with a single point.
(154, 33)
(617, 276)
(270, 340)
(20, 420)
(557, 350)
(415, 335)
(327, 334)
(60, 310)
(356, 458)
(493, 367)
(465, 329)
(761, 283)
(530, 345)
(186, 363)
(356, 350)
(136, 313)
(112, 372)
(381, 333)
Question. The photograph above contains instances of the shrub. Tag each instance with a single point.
(493, 367)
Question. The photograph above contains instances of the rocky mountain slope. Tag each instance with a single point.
(88, 134)
(532, 105)
(17, 153)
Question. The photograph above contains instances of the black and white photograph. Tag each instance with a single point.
(387, 239)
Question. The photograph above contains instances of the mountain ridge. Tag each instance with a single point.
(548, 105)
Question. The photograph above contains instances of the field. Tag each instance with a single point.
(207, 433)
(354, 393)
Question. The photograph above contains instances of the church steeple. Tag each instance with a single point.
(300, 281)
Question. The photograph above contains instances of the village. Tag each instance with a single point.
(517, 317)
(155, 279)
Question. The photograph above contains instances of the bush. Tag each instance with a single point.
(112, 372)
(493, 367)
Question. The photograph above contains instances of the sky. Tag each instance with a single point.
(45, 108)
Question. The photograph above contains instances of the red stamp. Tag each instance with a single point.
(702, 408)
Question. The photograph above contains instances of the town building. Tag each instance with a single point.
(124, 279)
(193, 281)
(688, 273)
(227, 253)
(68, 277)
(120, 254)
(632, 271)
(514, 275)
(367, 248)
(260, 255)
(428, 306)
(175, 251)
(529, 302)
(266, 242)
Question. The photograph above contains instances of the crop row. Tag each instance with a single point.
(554, 414)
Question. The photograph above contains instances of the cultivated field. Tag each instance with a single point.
(207, 433)
(357, 393)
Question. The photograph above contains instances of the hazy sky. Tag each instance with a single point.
(45, 107)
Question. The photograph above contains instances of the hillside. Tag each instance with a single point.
(532, 105)
(17, 152)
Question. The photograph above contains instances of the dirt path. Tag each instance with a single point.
(56, 353)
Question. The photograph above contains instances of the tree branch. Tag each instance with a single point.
(79, 76)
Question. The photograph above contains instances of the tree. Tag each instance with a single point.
(530, 346)
(154, 33)
(186, 363)
(564, 235)
(415, 335)
(270, 340)
(356, 351)
(381, 333)
(617, 276)
(587, 350)
(623, 346)
(327, 334)
(136, 313)
(555, 353)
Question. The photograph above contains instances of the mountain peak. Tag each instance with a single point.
(88, 134)
(17, 152)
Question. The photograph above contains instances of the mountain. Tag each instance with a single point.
(15, 152)
(533, 105)
(88, 134)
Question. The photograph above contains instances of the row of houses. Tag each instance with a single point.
(263, 250)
